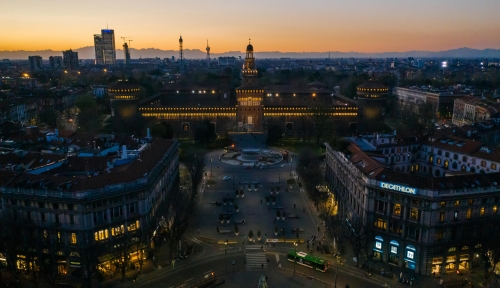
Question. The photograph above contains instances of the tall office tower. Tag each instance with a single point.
(56, 62)
(70, 60)
(181, 55)
(104, 43)
(35, 62)
(99, 50)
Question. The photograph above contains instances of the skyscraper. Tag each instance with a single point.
(99, 51)
(70, 60)
(104, 43)
(56, 62)
(35, 62)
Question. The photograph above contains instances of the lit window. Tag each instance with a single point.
(457, 202)
(73, 238)
(397, 209)
(483, 163)
(482, 211)
(495, 210)
(469, 214)
(446, 164)
(438, 160)
(431, 159)
(414, 214)
(443, 204)
(493, 166)
(441, 216)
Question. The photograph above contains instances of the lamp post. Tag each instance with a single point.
(225, 261)
(294, 257)
(211, 173)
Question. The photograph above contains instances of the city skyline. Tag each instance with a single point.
(316, 26)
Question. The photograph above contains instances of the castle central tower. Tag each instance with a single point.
(250, 111)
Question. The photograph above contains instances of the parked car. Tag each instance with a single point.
(226, 178)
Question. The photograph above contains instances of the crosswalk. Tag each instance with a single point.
(203, 240)
(255, 259)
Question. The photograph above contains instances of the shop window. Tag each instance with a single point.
(414, 214)
(482, 211)
(397, 210)
(469, 213)
(73, 238)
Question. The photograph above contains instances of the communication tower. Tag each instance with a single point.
(208, 55)
(181, 55)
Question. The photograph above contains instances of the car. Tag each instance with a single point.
(226, 178)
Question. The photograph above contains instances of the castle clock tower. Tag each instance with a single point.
(249, 72)
(249, 96)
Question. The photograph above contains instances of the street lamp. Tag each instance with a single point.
(294, 256)
(225, 261)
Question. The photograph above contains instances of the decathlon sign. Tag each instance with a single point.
(399, 188)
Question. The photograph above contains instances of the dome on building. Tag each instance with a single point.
(371, 85)
(249, 47)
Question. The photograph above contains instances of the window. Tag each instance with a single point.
(469, 213)
(439, 235)
(493, 166)
(470, 201)
(73, 238)
(455, 156)
(443, 204)
(446, 164)
(414, 214)
(483, 163)
(71, 207)
(117, 212)
(58, 237)
(455, 215)
(431, 159)
(133, 226)
(45, 235)
(101, 235)
(441, 216)
(380, 224)
(117, 231)
(438, 160)
(42, 215)
(71, 219)
(464, 158)
(473, 161)
(482, 211)
(439, 152)
(55, 205)
(447, 154)
(495, 210)
(464, 168)
(397, 210)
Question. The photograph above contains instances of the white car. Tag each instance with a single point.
(225, 178)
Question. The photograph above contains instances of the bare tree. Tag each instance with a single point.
(181, 207)
(194, 164)
(357, 235)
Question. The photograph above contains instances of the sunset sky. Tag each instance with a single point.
(273, 25)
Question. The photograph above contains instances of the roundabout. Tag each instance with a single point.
(251, 157)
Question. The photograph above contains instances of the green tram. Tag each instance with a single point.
(307, 260)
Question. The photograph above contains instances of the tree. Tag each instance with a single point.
(90, 115)
(194, 164)
(308, 167)
(180, 209)
(274, 133)
(205, 132)
(357, 235)
(120, 244)
(320, 116)
(50, 117)
(162, 130)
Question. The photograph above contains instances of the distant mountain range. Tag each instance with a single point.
(88, 53)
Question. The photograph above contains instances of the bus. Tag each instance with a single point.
(307, 260)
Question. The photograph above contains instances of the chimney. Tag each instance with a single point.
(124, 152)
(149, 133)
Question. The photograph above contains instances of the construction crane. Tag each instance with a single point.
(126, 49)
